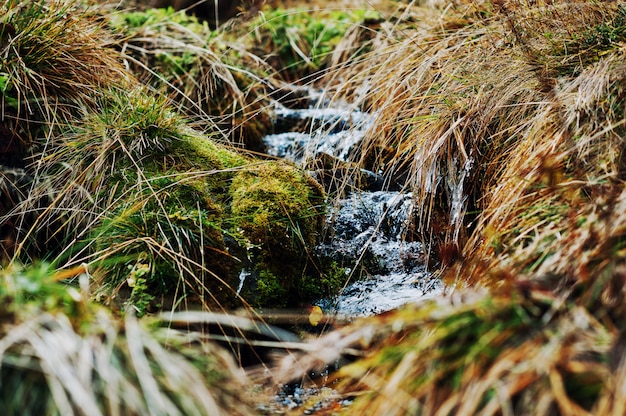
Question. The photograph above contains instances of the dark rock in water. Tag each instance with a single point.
(289, 96)
(326, 120)
(371, 181)
(300, 136)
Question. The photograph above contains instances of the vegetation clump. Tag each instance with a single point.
(122, 178)
(204, 72)
(300, 43)
(508, 123)
(62, 354)
(281, 213)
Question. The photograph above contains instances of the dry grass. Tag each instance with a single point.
(515, 353)
(469, 91)
(209, 76)
(507, 121)
(61, 354)
(56, 61)
(57, 64)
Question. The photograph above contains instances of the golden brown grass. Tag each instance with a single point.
(54, 61)
(476, 353)
(507, 118)
(463, 96)
(200, 70)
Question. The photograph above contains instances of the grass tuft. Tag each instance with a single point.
(61, 354)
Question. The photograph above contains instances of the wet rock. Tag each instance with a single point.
(369, 228)
(326, 120)
(371, 238)
(314, 136)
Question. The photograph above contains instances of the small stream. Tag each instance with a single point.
(368, 228)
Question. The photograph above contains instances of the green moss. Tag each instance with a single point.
(198, 151)
(303, 41)
(279, 210)
(170, 195)
(32, 290)
(270, 290)
(273, 200)
(173, 220)
(326, 285)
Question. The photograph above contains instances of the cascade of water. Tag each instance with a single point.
(333, 131)
(370, 234)
(242, 279)
(368, 228)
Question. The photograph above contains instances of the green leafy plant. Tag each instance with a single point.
(303, 41)
(607, 34)
(5, 89)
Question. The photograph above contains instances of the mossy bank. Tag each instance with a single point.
(155, 199)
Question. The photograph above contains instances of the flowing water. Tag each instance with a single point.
(368, 228)
(386, 270)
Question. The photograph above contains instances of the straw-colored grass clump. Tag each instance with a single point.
(62, 354)
(507, 121)
(210, 77)
(472, 90)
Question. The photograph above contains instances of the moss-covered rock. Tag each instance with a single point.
(187, 209)
(273, 199)
(122, 180)
(280, 211)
